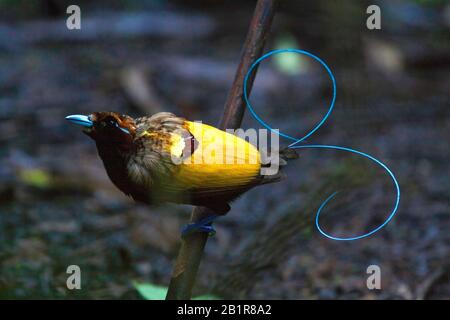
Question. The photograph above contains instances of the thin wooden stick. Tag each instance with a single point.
(191, 251)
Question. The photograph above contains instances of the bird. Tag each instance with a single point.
(165, 158)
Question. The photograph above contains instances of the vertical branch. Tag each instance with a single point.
(191, 251)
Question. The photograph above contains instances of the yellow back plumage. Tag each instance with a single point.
(221, 159)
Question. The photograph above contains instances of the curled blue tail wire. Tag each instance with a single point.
(296, 141)
(261, 121)
(397, 188)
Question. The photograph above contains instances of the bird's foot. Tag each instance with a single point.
(203, 225)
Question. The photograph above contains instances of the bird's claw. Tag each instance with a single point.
(203, 225)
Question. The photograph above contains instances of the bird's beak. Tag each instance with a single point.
(84, 121)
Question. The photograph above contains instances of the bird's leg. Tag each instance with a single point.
(203, 225)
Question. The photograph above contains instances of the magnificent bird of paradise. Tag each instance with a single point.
(155, 159)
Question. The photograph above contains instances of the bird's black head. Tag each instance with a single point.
(106, 127)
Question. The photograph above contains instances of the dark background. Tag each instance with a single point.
(57, 206)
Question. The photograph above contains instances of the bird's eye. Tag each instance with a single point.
(112, 123)
(108, 123)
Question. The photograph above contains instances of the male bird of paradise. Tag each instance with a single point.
(165, 158)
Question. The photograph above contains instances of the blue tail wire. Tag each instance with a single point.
(296, 141)
(205, 225)
(365, 155)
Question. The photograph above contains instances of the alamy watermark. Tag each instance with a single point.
(374, 280)
(374, 20)
(73, 22)
(74, 280)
